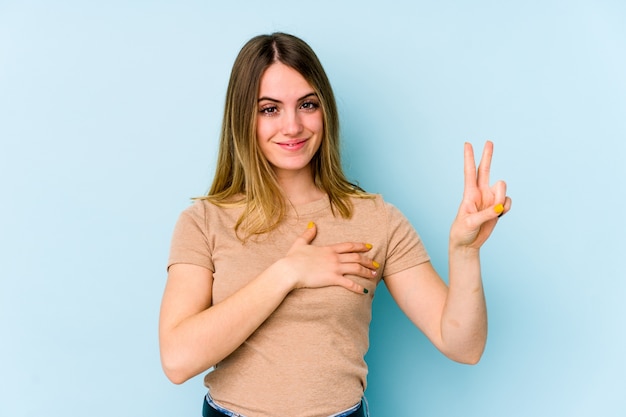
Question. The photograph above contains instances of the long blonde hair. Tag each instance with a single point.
(243, 175)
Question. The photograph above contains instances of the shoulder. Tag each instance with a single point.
(196, 212)
(202, 212)
(381, 214)
(376, 212)
(204, 207)
(373, 202)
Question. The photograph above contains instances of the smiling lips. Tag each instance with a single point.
(293, 145)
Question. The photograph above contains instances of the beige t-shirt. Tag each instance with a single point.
(307, 358)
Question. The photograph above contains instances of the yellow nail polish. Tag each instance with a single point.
(310, 225)
(376, 264)
(368, 246)
(499, 208)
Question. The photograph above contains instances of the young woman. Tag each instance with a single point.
(271, 275)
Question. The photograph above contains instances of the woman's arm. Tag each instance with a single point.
(194, 335)
(454, 317)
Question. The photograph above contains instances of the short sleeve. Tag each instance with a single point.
(190, 243)
(405, 248)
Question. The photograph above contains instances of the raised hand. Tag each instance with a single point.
(323, 266)
(482, 204)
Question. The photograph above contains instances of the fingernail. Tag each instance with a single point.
(499, 208)
(310, 225)
(365, 290)
(376, 264)
(368, 246)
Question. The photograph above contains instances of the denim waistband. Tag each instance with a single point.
(360, 409)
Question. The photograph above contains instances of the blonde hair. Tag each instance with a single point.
(243, 175)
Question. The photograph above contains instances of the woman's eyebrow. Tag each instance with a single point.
(312, 94)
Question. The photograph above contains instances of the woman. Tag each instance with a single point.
(271, 276)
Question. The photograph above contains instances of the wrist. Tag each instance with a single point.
(463, 251)
(283, 275)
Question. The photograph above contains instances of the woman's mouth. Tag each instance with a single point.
(293, 145)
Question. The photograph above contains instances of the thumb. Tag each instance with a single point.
(310, 233)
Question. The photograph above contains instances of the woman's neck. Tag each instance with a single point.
(300, 188)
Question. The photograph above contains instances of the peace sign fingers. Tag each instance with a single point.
(482, 203)
(477, 189)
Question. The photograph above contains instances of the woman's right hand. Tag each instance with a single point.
(195, 333)
(322, 266)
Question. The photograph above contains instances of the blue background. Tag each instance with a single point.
(109, 118)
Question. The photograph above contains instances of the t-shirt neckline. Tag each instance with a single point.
(308, 208)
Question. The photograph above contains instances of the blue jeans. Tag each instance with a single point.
(209, 407)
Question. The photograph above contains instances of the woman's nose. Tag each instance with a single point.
(292, 124)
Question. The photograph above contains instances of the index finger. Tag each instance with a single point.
(348, 247)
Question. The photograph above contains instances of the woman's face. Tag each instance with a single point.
(290, 123)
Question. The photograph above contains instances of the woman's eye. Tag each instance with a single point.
(269, 110)
(310, 105)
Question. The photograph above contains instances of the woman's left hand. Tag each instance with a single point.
(482, 204)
